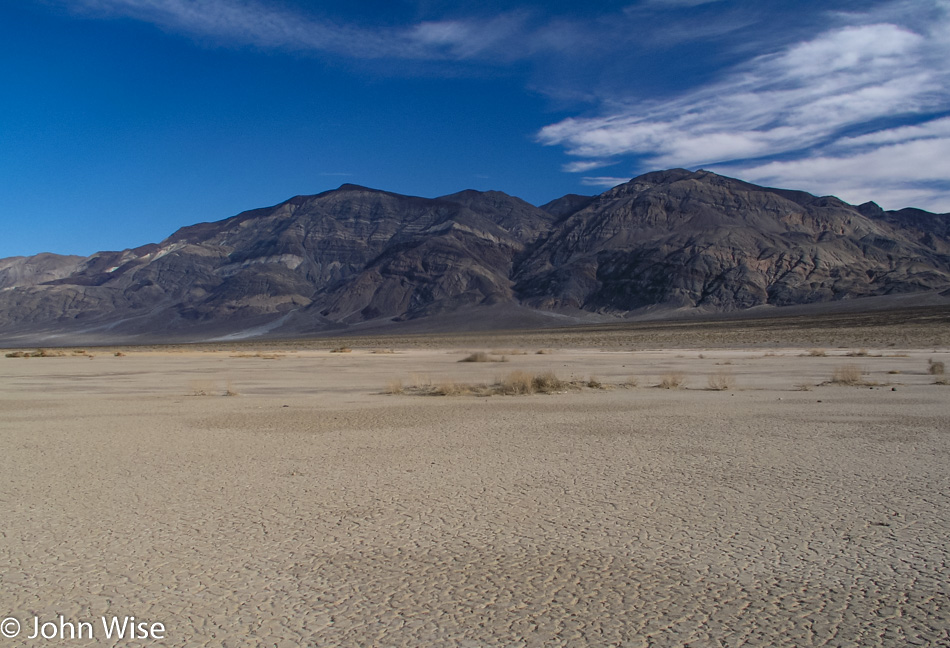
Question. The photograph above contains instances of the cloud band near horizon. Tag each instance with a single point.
(790, 118)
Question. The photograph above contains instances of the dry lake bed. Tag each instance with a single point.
(296, 496)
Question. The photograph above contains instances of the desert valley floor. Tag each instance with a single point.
(288, 495)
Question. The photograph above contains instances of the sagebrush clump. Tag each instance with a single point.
(674, 380)
(516, 383)
(721, 381)
(481, 356)
(848, 374)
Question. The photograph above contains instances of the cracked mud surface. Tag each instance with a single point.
(314, 510)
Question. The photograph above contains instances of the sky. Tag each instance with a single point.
(123, 120)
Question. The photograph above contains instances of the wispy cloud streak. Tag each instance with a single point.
(804, 103)
(246, 22)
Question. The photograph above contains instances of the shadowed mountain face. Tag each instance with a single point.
(357, 256)
(701, 240)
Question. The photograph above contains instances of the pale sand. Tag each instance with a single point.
(313, 509)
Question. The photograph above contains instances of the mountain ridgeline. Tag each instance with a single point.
(357, 258)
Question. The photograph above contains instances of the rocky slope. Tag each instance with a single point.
(701, 240)
(357, 257)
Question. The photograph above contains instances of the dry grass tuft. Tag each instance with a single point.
(817, 353)
(481, 356)
(39, 353)
(263, 356)
(450, 388)
(935, 367)
(383, 351)
(848, 374)
(118, 354)
(721, 381)
(522, 383)
(674, 380)
(630, 382)
(803, 386)
(860, 353)
(942, 380)
(548, 383)
(208, 387)
(517, 383)
(594, 383)
(543, 352)
(342, 349)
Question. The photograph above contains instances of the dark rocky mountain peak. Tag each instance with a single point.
(356, 256)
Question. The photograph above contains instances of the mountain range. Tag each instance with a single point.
(359, 259)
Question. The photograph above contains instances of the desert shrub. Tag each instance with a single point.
(16, 354)
(860, 353)
(674, 380)
(803, 386)
(594, 383)
(543, 351)
(547, 383)
(46, 353)
(481, 356)
(630, 382)
(721, 381)
(342, 349)
(848, 374)
(118, 354)
(935, 368)
(516, 383)
(449, 388)
(817, 353)
(942, 380)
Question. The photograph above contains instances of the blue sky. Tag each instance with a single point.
(122, 120)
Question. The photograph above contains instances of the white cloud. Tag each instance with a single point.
(464, 39)
(798, 102)
(252, 22)
(586, 165)
(931, 129)
(603, 181)
(243, 21)
(775, 104)
(910, 173)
